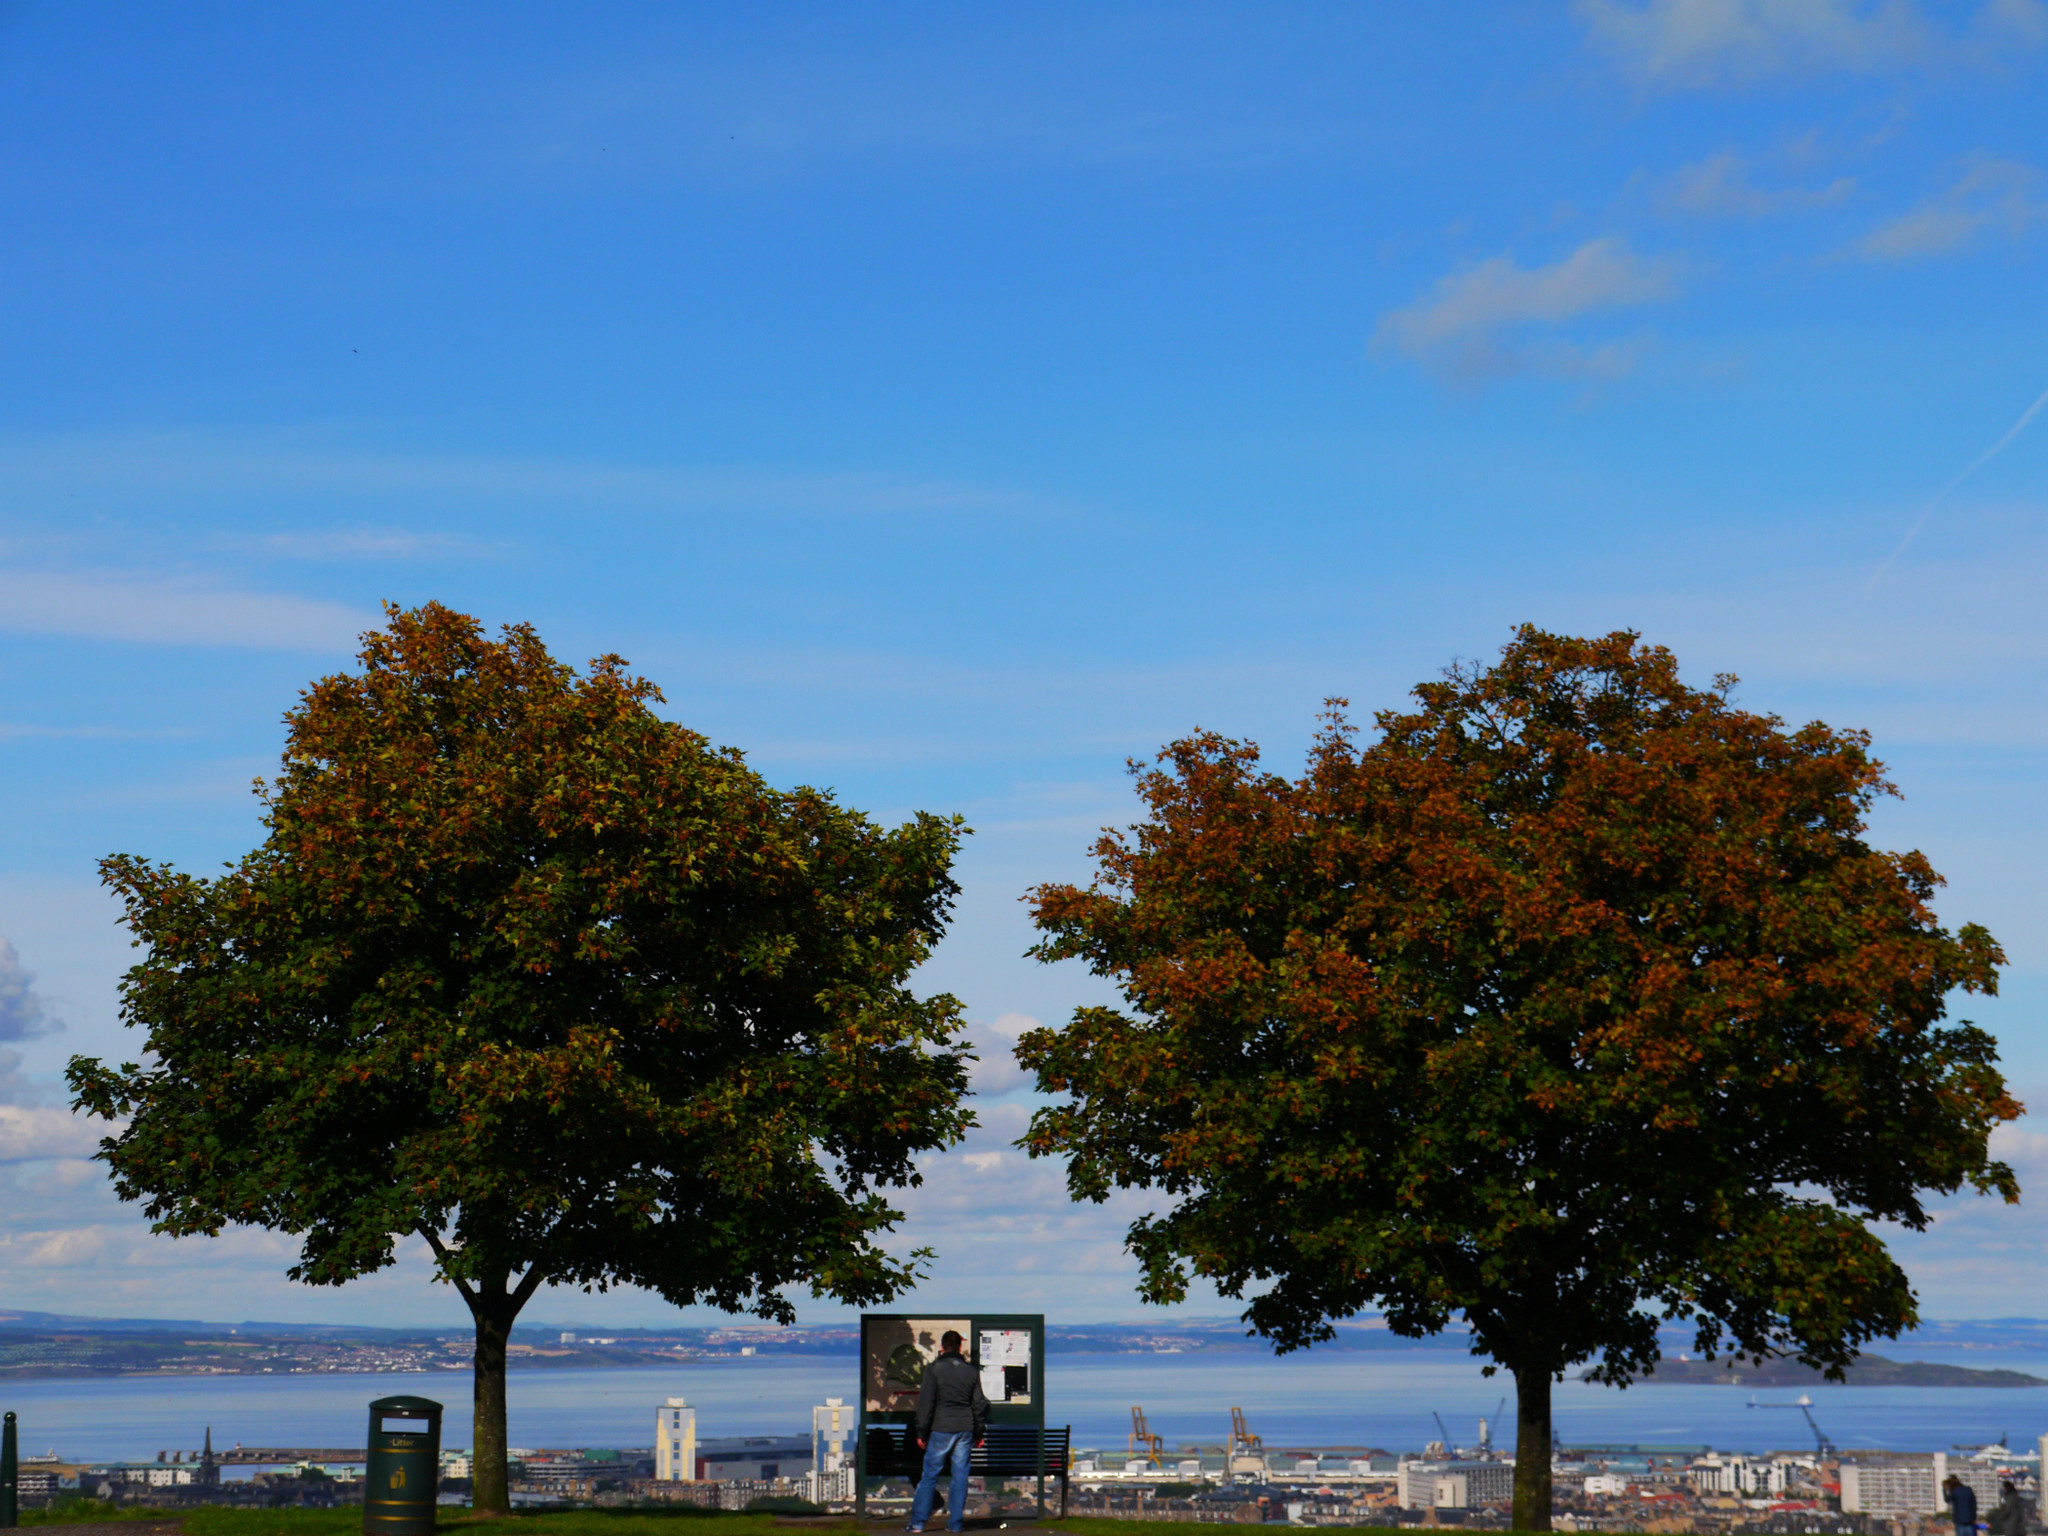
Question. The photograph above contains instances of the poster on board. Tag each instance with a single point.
(894, 1353)
(1005, 1357)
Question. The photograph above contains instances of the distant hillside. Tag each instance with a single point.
(50, 1344)
(1868, 1371)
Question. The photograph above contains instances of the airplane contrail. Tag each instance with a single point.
(1942, 495)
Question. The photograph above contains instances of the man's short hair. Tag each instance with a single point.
(950, 1340)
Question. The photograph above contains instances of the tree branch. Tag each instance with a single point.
(441, 1253)
(528, 1284)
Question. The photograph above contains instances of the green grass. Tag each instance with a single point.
(76, 1511)
(1103, 1525)
(348, 1521)
(677, 1520)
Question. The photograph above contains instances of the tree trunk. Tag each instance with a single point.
(489, 1493)
(494, 1309)
(1532, 1449)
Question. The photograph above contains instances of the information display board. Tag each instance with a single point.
(1007, 1348)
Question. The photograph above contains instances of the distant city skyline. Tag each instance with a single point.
(947, 405)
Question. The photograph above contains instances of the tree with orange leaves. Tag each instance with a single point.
(532, 973)
(1572, 1005)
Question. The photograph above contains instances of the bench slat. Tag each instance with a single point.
(1009, 1451)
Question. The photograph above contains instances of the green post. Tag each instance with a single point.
(10, 1476)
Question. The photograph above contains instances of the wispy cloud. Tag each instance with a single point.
(218, 466)
(1704, 43)
(1499, 317)
(114, 605)
(36, 1135)
(1990, 197)
(995, 1043)
(1942, 495)
(21, 730)
(1723, 186)
(22, 1013)
(370, 545)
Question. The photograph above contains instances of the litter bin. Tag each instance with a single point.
(404, 1470)
(8, 1472)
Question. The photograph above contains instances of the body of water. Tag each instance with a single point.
(1382, 1398)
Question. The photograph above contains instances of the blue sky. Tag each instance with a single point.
(946, 403)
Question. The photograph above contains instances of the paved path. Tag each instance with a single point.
(878, 1525)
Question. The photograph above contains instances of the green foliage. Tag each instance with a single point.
(526, 969)
(1573, 1003)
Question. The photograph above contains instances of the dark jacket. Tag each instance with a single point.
(2010, 1518)
(1962, 1504)
(951, 1399)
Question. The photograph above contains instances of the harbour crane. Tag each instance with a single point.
(1242, 1441)
(1486, 1428)
(1822, 1444)
(1143, 1441)
(1450, 1447)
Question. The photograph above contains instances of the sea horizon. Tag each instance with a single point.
(1386, 1400)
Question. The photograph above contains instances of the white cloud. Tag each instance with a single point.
(225, 466)
(1682, 43)
(1979, 1253)
(368, 544)
(995, 1043)
(22, 730)
(1721, 186)
(1482, 321)
(1992, 196)
(31, 1135)
(15, 1088)
(22, 1012)
(113, 605)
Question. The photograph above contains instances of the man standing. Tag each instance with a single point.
(1962, 1505)
(2010, 1518)
(952, 1418)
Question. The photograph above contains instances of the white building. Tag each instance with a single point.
(1746, 1476)
(833, 1426)
(675, 1442)
(1911, 1485)
(1455, 1484)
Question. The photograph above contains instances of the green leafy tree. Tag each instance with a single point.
(1573, 1004)
(530, 972)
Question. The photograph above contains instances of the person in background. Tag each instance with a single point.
(1962, 1505)
(952, 1418)
(2010, 1518)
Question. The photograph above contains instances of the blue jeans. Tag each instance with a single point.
(945, 1445)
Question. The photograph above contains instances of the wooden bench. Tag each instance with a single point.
(1010, 1450)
